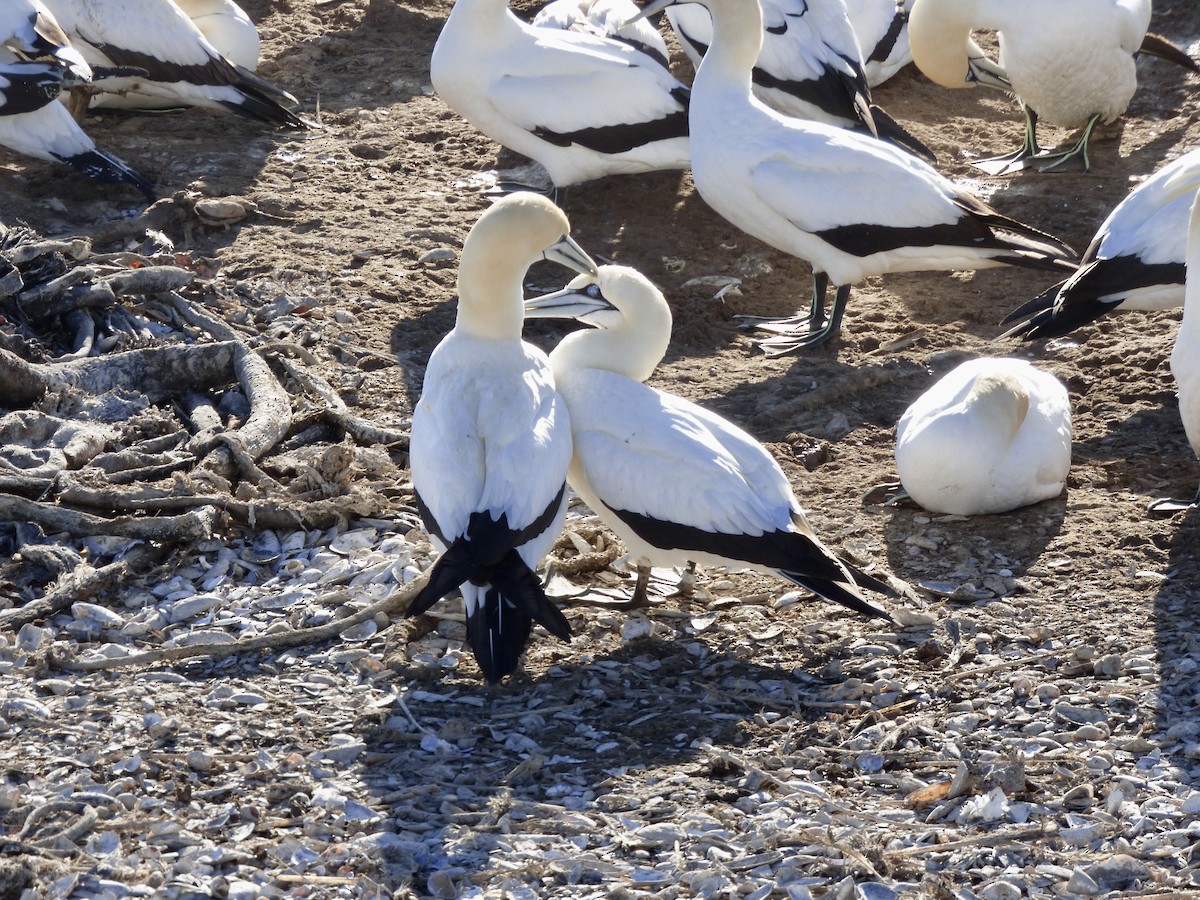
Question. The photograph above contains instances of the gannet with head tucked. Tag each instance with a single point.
(581, 105)
(990, 436)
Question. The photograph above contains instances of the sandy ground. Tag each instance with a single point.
(349, 213)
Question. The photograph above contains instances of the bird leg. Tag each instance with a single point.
(889, 493)
(1069, 159)
(789, 338)
(1015, 161)
(1172, 507)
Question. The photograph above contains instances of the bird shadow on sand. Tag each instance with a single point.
(1177, 648)
(587, 738)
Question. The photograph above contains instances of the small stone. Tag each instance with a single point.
(1118, 872)
(200, 761)
(1000, 890)
(1082, 884)
(1079, 797)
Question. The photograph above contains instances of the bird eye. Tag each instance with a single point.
(593, 291)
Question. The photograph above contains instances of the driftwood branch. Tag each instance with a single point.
(190, 526)
(83, 583)
(395, 603)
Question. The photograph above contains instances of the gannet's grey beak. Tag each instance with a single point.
(577, 300)
(984, 72)
(567, 253)
(649, 10)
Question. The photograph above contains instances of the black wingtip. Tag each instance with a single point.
(841, 594)
(1041, 303)
(894, 133)
(105, 167)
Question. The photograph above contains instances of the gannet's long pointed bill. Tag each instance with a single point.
(578, 300)
(648, 10)
(567, 253)
(984, 72)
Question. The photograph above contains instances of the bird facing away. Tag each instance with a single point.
(1185, 357)
(605, 18)
(181, 67)
(990, 436)
(1136, 260)
(580, 105)
(810, 65)
(675, 482)
(1069, 62)
(34, 123)
(882, 30)
(491, 439)
(850, 205)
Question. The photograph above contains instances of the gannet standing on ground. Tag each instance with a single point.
(605, 18)
(1137, 260)
(1185, 356)
(182, 68)
(34, 123)
(677, 483)
(491, 439)
(580, 105)
(1069, 62)
(810, 65)
(990, 436)
(882, 30)
(851, 205)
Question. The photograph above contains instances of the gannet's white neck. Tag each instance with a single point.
(736, 43)
(506, 240)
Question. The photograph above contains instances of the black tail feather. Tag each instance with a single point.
(499, 630)
(521, 586)
(1157, 45)
(497, 634)
(454, 567)
(105, 167)
(871, 583)
(258, 106)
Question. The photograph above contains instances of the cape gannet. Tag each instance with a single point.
(582, 106)
(181, 67)
(990, 436)
(1069, 62)
(1185, 356)
(810, 65)
(491, 439)
(851, 205)
(677, 483)
(34, 123)
(1136, 260)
